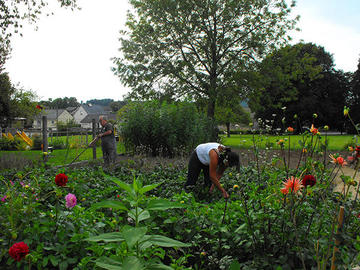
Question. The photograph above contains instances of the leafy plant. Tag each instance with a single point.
(138, 242)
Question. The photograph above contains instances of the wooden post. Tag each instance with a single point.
(94, 136)
(337, 242)
(44, 136)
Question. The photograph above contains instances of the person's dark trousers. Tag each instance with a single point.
(109, 153)
(194, 169)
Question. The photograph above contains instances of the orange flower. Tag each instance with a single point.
(293, 184)
(290, 129)
(338, 160)
(313, 130)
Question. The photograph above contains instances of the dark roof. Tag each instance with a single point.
(96, 109)
(88, 118)
(71, 109)
(51, 114)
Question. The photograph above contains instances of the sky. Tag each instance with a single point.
(69, 55)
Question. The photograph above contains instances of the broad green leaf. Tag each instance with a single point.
(234, 265)
(135, 185)
(158, 266)
(108, 263)
(121, 184)
(107, 237)
(117, 205)
(164, 241)
(142, 214)
(133, 234)
(162, 204)
(148, 188)
(132, 263)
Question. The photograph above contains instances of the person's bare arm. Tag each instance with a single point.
(214, 175)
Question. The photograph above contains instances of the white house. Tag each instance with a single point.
(87, 109)
(53, 117)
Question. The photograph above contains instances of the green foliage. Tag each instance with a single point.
(164, 129)
(60, 103)
(198, 49)
(138, 242)
(61, 126)
(300, 80)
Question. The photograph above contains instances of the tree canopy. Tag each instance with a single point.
(198, 48)
(300, 80)
(15, 102)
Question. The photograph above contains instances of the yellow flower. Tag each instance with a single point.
(235, 186)
(26, 186)
(326, 128)
(230, 174)
(351, 149)
(45, 153)
(83, 199)
(203, 253)
(346, 111)
(182, 202)
(114, 221)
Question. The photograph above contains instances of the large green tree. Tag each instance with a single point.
(15, 102)
(197, 48)
(300, 80)
(353, 98)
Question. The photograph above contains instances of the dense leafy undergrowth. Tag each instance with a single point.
(131, 218)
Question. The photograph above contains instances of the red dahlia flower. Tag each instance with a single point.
(292, 184)
(308, 180)
(18, 251)
(39, 107)
(61, 179)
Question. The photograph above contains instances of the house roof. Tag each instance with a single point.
(71, 110)
(52, 114)
(88, 118)
(96, 109)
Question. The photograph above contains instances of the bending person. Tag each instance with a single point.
(212, 159)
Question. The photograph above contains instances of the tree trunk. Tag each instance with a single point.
(211, 109)
(228, 129)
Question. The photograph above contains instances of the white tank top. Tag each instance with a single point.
(202, 151)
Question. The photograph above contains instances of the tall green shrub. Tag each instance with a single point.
(165, 129)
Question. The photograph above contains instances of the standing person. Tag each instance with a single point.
(108, 145)
(212, 159)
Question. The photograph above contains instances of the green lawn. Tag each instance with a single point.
(335, 142)
(62, 156)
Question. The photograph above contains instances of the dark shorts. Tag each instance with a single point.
(194, 169)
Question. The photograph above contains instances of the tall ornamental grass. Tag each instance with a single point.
(164, 129)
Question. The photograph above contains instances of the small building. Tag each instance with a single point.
(87, 109)
(53, 117)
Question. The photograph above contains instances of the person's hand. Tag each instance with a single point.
(225, 194)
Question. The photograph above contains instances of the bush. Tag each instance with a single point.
(8, 144)
(37, 142)
(164, 129)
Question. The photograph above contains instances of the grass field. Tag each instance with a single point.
(60, 156)
(335, 142)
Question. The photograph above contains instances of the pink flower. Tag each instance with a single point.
(70, 200)
(3, 198)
